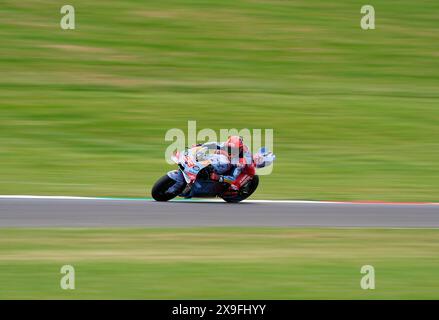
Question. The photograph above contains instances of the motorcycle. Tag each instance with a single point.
(194, 178)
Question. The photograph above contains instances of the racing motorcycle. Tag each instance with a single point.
(196, 172)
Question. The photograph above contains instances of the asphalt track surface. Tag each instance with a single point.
(92, 212)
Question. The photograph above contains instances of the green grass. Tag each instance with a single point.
(219, 263)
(355, 113)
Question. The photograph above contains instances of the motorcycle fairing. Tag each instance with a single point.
(200, 188)
(205, 188)
(188, 164)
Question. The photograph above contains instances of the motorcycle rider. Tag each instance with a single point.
(240, 161)
(218, 158)
(232, 162)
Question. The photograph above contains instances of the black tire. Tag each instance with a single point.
(246, 191)
(160, 187)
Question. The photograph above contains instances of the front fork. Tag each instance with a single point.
(178, 177)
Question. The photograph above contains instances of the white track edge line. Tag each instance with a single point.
(210, 200)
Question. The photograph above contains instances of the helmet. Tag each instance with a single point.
(234, 146)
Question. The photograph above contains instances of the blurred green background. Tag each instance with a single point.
(219, 263)
(355, 113)
(355, 116)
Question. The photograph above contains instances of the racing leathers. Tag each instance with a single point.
(238, 164)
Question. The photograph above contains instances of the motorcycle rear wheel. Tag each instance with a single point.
(159, 189)
(245, 192)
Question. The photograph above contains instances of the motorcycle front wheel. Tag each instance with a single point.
(159, 189)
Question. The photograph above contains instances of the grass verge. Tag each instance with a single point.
(219, 263)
